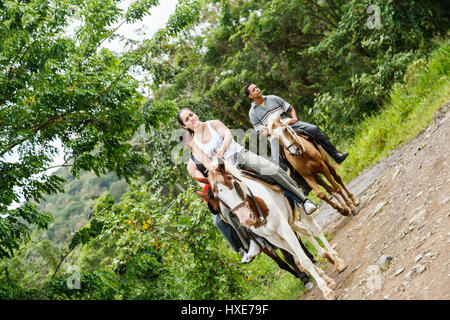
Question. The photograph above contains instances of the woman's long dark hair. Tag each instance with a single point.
(180, 121)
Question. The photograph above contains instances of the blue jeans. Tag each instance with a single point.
(228, 232)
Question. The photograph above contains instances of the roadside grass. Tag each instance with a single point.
(410, 109)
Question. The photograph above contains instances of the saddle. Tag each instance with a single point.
(271, 184)
(307, 136)
(264, 179)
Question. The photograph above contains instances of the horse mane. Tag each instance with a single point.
(270, 121)
(233, 169)
(217, 175)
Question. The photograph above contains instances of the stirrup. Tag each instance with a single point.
(309, 206)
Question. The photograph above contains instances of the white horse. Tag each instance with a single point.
(235, 191)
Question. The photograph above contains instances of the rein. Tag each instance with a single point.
(293, 134)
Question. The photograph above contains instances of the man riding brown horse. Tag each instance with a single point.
(264, 106)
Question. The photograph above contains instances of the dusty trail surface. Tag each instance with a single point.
(397, 244)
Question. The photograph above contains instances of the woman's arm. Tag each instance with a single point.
(225, 133)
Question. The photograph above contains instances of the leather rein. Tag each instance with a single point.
(244, 202)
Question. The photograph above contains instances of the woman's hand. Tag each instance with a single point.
(209, 166)
(220, 153)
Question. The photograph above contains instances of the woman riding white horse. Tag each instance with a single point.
(246, 197)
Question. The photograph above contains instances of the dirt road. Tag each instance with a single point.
(398, 243)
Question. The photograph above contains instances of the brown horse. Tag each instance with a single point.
(310, 159)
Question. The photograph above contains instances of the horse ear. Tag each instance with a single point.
(201, 180)
(221, 165)
(277, 118)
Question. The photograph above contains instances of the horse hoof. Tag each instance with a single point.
(332, 284)
(341, 266)
(309, 286)
(329, 295)
(344, 212)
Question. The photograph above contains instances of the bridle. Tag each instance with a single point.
(293, 134)
(244, 202)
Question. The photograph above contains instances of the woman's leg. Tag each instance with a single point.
(251, 161)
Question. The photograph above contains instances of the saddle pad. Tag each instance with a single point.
(264, 179)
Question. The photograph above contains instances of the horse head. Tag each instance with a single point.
(230, 190)
(208, 196)
(284, 134)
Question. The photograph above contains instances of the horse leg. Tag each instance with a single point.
(290, 260)
(330, 190)
(326, 172)
(330, 282)
(309, 254)
(312, 182)
(301, 230)
(330, 254)
(309, 235)
(339, 180)
(337, 177)
(283, 265)
(287, 234)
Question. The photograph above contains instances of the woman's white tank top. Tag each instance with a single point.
(214, 144)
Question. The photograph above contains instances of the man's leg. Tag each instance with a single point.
(238, 228)
(228, 232)
(321, 138)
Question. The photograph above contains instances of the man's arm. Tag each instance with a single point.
(288, 108)
(293, 116)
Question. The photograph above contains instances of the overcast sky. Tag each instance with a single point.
(157, 19)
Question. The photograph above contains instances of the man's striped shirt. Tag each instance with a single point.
(259, 115)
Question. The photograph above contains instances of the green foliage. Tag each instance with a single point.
(56, 87)
(321, 57)
(167, 248)
(72, 209)
(85, 234)
(15, 227)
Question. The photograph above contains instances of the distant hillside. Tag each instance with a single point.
(71, 209)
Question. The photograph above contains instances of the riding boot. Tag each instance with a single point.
(254, 249)
(324, 141)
